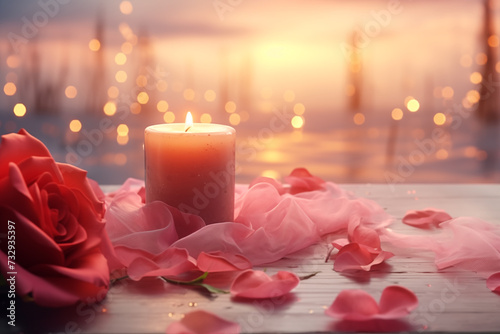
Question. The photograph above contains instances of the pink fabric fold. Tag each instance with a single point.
(357, 305)
(203, 322)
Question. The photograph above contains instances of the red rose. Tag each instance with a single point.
(57, 223)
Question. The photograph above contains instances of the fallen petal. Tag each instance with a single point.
(426, 218)
(353, 305)
(256, 284)
(203, 322)
(493, 282)
(396, 302)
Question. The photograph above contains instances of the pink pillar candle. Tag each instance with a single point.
(193, 169)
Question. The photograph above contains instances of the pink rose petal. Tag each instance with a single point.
(426, 218)
(301, 180)
(358, 305)
(358, 257)
(256, 284)
(220, 262)
(203, 322)
(493, 282)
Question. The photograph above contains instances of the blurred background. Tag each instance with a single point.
(378, 91)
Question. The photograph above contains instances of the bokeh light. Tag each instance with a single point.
(169, 117)
(75, 125)
(289, 96)
(94, 45)
(120, 159)
(413, 105)
(189, 94)
(230, 107)
(493, 41)
(127, 48)
(109, 108)
(439, 118)
(234, 119)
(143, 98)
(135, 108)
(299, 109)
(19, 110)
(141, 80)
(71, 92)
(442, 154)
(126, 7)
(120, 58)
(121, 76)
(113, 92)
(476, 78)
(270, 173)
(473, 96)
(297, 122)
(397, 114)
(448, 92)
(122, 129)
(161, 85)
(9, 88)
(162, 106)
(359, 119)
(205, 118)
(13, 61)
(122, 140)
(210, 95)
(481, 58)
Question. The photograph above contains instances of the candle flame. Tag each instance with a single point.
(189, 121)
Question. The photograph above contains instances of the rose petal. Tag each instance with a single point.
(358, 305)
(300, 180)
(353, 305)
(426, 218)
(220, 262)
(256, 284)
(203, 322)
(358, 257)
(493, 282)
(396, 302)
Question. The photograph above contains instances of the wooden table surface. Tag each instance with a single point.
(450, 301)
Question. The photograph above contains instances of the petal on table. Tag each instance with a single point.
(493, 282)
(256, 284)
(396, 302)
(203, 322)
(353, 305)
(426, 218)
(220, 262)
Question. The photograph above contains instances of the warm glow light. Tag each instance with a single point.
(13, 61)
(439, 118)
(297, 122)
(245, 115)
(122, 130)
(19, 110)
(94, 45)
(299, 109)
(113, 92)
(121, 76)
(189, 94)
(466, 61)
(408, 99)
(470, 151)
(109, 108)
(120, 58)
(442, 154)
(169, 117)
(122, 140)
(473, 96)
(9, 88)
(230, 107)
(141, 80)
(447, 92)
(162, 106)
(70, 92)
(126, 7)
(135, 108)
(120, 159)
(466, 103)
(493, 41)
(189, 121)
(234, 119)
(271, 174)
(143, 98)
(205, 118)
(413, 105)
(481, 58)
(397, 114)
(210, 95)
(289, 96)
(359, 119)
(161, 85)
(127, 48)
(476, 78)
(75, 125)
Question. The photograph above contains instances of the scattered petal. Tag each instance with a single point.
(203, 322)
(426, 218)
(300, 180)
(493, 282)
(358, 305)
(220, 262)
(256, 284)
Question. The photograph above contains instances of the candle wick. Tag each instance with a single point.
(187, 128)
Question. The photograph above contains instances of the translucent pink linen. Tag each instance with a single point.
(357, 305)
(268, 225)
(256, 284)
(465, 242)
(426, 218)
(203, 322)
